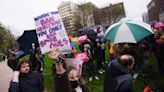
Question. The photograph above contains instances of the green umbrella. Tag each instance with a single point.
(128, 31)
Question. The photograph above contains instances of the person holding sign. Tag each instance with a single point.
(67, 79)
(89, 51)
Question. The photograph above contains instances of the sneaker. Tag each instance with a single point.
(41, 69)
(90, 78)
(100, 72)
(97, 78)
(106, 62)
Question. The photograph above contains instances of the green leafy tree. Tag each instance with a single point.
(7, 40)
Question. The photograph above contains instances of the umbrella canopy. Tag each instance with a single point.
(25, 41)
(20, 54)
(90, 33)
(127, 31)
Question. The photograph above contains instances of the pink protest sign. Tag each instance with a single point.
(77, 63)
(82, 38)
(82, 56)
(51, 32)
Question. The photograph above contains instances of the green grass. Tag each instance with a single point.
(97, 85)
(48, 75)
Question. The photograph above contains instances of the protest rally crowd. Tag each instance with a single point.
(126, 61)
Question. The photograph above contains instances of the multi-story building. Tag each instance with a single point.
(112, 13)
(67, 11)
(145, 17)
(156, 11)
(160, 8)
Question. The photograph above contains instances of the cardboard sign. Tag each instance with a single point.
(82, 39)
(82, 56)
(77, 63)
(51, 32)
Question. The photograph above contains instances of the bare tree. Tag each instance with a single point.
(86, 18)
(85, 13)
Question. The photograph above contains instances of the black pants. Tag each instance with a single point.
(36, 65)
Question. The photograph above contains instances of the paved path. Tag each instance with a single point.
(5, 76)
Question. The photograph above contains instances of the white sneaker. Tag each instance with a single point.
(41, 69)
(106, 62)
(97, 78)
(90, 78)
(100, 72)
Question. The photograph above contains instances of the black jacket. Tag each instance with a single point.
(118, 78)
(161, 51)
(31, 82)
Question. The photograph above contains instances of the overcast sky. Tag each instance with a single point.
(19, 14)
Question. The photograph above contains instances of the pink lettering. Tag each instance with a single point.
(65, 41)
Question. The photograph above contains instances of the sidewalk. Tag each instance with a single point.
(6, 75)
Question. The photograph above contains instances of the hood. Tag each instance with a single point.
(117, 69)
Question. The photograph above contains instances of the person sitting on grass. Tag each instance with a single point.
(67, 78)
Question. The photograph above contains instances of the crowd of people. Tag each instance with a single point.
(125, 58)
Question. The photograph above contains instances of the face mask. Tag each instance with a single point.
(74, 83)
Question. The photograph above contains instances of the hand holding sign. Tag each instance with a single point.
(51, 32)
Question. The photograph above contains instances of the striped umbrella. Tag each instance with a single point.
(128, 31)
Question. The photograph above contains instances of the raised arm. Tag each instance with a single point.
(14, 84)
(61, 79)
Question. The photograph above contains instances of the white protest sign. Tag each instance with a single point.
(51, 32)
